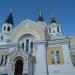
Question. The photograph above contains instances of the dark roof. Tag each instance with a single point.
(40, 17)
(53, 19)
(9, 19)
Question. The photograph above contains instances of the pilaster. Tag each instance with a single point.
(40, 67)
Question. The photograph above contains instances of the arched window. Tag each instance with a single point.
(55, 57)
(23, 46)
(8, 29)
(2, 59)
(58, 56)
(4, 28)
(27, 45)
(1, 37)
(31, 47)
(58, 28)
(5, 59)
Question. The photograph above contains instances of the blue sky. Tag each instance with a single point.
(64, 11)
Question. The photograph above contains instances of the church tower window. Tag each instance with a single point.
(4, 28)
(58, 28)
(8, 29)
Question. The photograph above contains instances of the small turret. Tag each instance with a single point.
(40, 17)
(7, 26)
(53, 19)
(55, 29)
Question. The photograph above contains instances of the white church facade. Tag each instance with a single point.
(36, 48)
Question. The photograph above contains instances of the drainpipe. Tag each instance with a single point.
(46, 39)
(47, 57)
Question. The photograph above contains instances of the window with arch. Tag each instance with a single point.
(8, 29)
(23, 46)
(4, 28)
(58, 28)
(55, 57)
(26, 43)
(1, 37)
(58, 57)
(3, 59)
(31, 47)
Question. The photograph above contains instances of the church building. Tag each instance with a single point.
(36, 48)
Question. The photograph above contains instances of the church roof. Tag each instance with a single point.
(9, 19)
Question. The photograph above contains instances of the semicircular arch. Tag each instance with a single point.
(34, 34)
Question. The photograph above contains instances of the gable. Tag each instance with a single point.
(27, 27)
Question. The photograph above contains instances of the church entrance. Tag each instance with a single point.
(18, 67)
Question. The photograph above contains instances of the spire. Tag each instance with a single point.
(53, 19)
(40, 17)
(9, 18)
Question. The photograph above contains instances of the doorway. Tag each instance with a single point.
(18, 67)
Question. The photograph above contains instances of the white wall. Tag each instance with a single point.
(40, 67)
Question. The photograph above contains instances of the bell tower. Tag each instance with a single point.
(7, 26)
(55, 29)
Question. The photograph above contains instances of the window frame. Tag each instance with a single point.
(49, 57)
